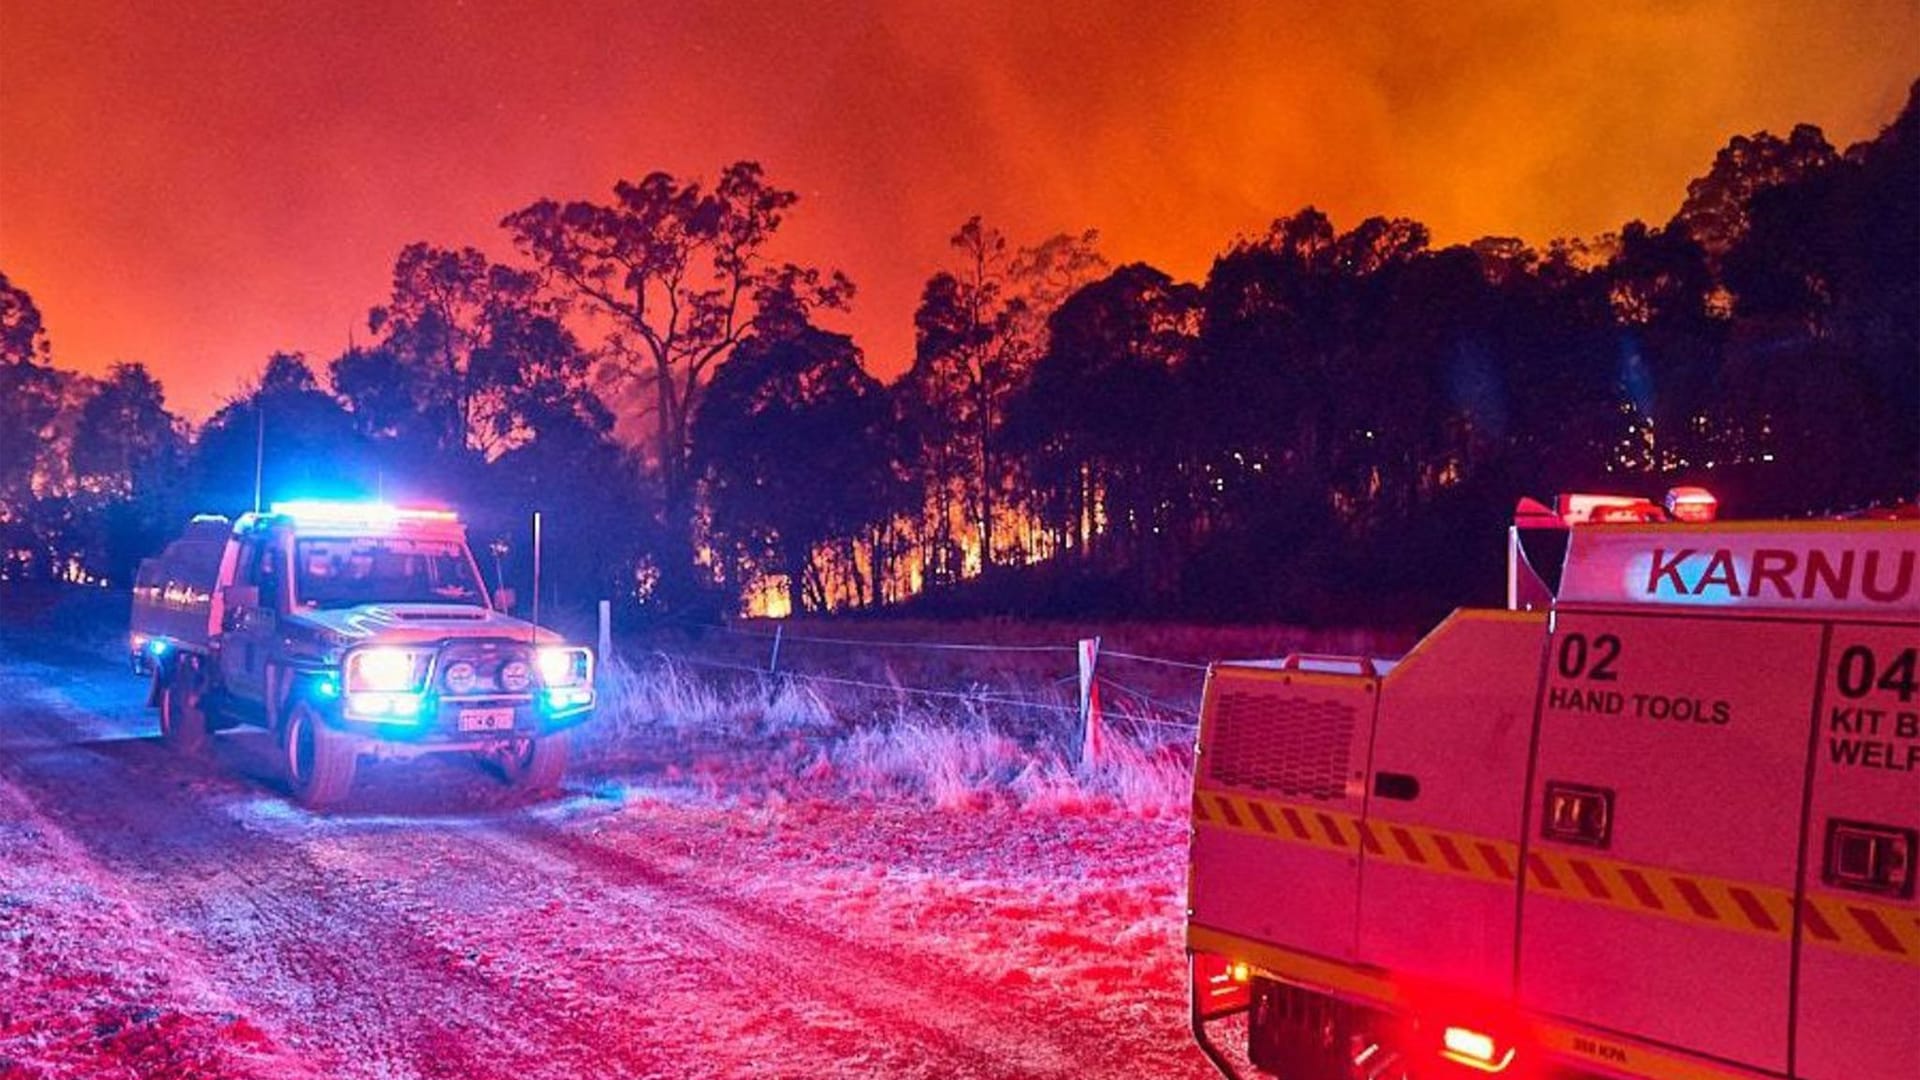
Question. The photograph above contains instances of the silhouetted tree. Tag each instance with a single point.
(1102, 427)
(788, 441)
(1716, 209)
(1823, 370)
(28, 398)
(308, 442)
(31, 393)
(978, 329)
(681, 274)
(475, 345)
(128, 450)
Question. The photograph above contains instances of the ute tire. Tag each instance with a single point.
(319, 761)
(183, 714)
(536, 764)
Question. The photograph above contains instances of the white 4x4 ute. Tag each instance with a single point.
(349, 629)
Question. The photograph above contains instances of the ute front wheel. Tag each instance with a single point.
(183, 716)
(534, 764)
(320, 761)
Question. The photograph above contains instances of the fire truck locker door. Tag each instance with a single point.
(1662, 846)
(1859, 989)
(247, 634)
(1278, 797)
(1438, 890)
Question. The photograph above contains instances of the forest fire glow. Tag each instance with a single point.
(153, 141)
(1018, 411)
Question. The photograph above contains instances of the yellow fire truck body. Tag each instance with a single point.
(1657, 819)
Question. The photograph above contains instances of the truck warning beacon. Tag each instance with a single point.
(351, 629)
(1655, 819)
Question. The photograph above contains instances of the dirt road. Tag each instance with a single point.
(171, 917)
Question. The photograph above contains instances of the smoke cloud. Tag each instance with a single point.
(196, 190)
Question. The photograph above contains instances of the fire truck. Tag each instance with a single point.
(351, 630)
(1655, 819)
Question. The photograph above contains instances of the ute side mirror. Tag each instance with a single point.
(503, 599)
(242, 596)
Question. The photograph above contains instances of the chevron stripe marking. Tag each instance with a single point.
(1833, 922)
(1695, 899)
(1877, 930)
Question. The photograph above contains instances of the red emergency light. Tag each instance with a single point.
(1692, 504)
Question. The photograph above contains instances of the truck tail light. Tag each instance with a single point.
(1475, 1049)
(1469, 1032)
(1220, 985)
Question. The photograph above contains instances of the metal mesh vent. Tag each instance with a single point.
(1275, 740)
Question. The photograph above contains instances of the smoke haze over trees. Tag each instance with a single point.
(1336, 421)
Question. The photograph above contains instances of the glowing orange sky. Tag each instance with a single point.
(197, 190)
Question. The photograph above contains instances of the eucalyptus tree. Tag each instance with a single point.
(679, 274)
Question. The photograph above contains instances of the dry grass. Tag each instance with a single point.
(747, 734)
(997, 726)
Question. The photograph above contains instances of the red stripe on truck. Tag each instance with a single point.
(1412, 850)
(1293, 822)
(1260, 816)
(1816, 923)
(1695, 899)
(1755, 911)
(1642, 891)
(1495, 861)
(1882, 936)
(1451, 854)
(1590, 880)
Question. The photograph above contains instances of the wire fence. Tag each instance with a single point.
(881, 643)
(1168, 703)
(979, 696)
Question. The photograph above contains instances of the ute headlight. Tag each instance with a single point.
(461, 676)
(386, 670)
(515, 676)
(567, 666)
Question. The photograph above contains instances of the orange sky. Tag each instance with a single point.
(197, 190)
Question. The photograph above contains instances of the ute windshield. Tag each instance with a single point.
(348, 571)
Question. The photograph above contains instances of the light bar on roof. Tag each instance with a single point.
(333, 512)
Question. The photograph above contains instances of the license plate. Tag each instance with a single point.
(486, 719)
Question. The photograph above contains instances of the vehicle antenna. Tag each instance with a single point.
(259, 451)
(536, 577)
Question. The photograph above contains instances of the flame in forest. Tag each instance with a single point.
(896, 564)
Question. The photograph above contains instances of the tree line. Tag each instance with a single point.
(1333, 424)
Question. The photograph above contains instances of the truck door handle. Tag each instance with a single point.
(1578, 814)
(1870, 858)
(1393, 785)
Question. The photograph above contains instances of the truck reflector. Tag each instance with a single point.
(1220, 985)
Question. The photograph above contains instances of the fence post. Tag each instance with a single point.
(773, 661)
(1091, 735)
(605, 640)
